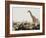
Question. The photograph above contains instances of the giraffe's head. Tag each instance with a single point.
(29, 11)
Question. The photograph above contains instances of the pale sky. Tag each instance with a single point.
(20, 13)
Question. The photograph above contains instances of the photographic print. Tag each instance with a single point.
(25, 18)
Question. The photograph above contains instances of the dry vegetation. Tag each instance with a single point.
(25, 26)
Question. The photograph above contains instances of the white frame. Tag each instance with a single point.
(27, 31)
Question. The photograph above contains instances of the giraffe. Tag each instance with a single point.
(35, 20)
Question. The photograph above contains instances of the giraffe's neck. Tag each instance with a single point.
(31, 14)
